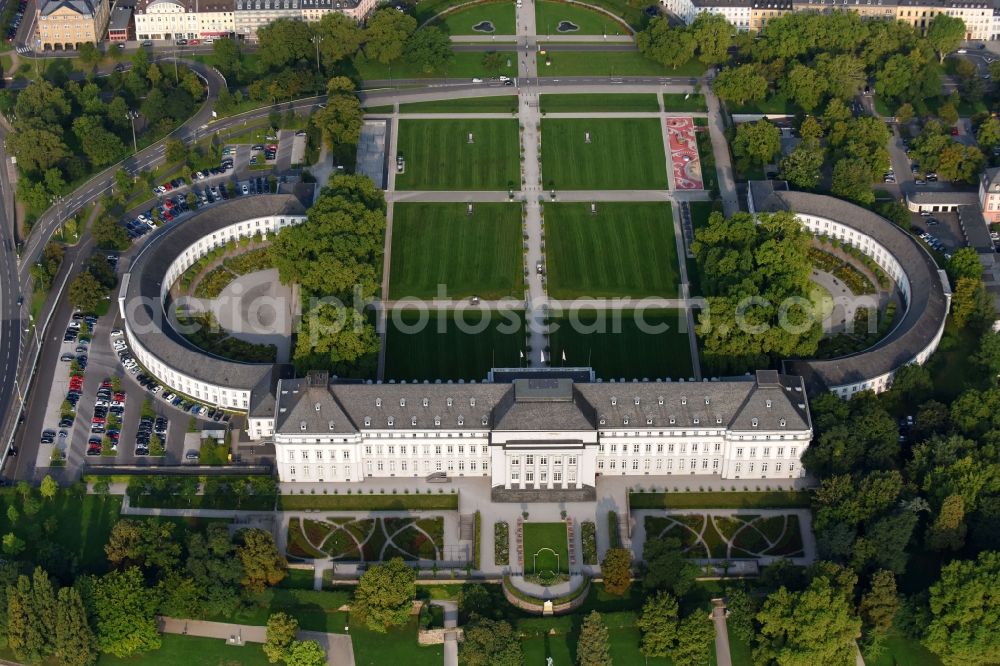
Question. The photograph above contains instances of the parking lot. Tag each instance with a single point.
(941, 231)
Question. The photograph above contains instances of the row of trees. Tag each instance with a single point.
(335, 258)
(93, 285)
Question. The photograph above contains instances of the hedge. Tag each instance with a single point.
(477, 542)
(772, 499)
(588, 534)
(501, 543)
(367, 502)
(614, 532)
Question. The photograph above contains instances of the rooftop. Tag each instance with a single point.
(82, 7)
(924, 316)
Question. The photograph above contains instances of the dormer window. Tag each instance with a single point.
(649, 421)
(659, 400)
(781, 423)
(708, 401)
(437, 420)
(402, 402)
(378, 402)
(316, 406)
(684, 400)
(449, 402)
(461, 420)
(390, 421)
(614, 401)
(753, 422)
(637, 400)
(603, 421)
(768, 403)
(625, 420)
(718, 420)
(672, 420)
(368, 421)
(485, 420)
(413, 420)
(302, 426)
(331, 425)
(695, 420)
(426, 402)
(472, 402)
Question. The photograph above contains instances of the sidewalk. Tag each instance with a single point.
(339, 650)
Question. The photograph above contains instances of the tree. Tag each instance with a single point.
(740, 611)
(757, 142)
(965, 613)
(617, 570)
(85, 292)
(904, 114)
(280, 633)
(988, 135)
(75, 644)
(671, 47)
(305, 653)
(658, 624)
(285, 42)
(101, 146)
(958, 162)
(123, 611)
(385, 593)
(667, 567)
(89, 54)
(143, 543)
(176, 150)
(492, 61)
(970, 303)
(490, 643)
(24, 628)
(387, 33)
(430, 48)
(341, 120)
(263, 565)
(852, 180)
(12, 544)
(945, 33)
(948, 113)
(896, 213)
(948, 530)
(108, 234)
(695, 635)
(880, 603)
(815, 626)
(342, 36)
(804, 86)
(740, 84)
(592, 647)
(49, 487)
(333, 337)
(803, 167)
(36, 148)
(714, 35)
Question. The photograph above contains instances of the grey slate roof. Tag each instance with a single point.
(777, 402)
(148, 321)
(928, 305)
(82, 7)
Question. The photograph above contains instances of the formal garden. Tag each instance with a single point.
(730, 537)
(546, 552)
(366, 539)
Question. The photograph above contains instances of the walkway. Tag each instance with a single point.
(720, 148)
(338, 647)
(451, 637)
(473, 196)
(722, 655)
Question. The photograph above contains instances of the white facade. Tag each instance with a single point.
(738, 14)
(349, 432)
(171, 19)
(225, 395)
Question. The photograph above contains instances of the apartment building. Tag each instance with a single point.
(68, 24)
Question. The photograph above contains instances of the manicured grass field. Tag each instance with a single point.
(359, 502)
(626, 249)
(621, 102)
(623, 154)
(177, 649)
(439, 156)
(549, 14)
(684, 102)
(557, 637)
(779, 103)
(396, 646)
(630, 353)
(775, 499)
(439, 350)
(464, 64)
(610, 63)
(545, 547)
(441, 244)
(495, 104)
(83, 525)
(902, 650)
(461, 21)
(315, 610)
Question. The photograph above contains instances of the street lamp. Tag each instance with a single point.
(316, 39)
(132, 115)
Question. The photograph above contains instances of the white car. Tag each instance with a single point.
(477, 80)
(117, 403)
(169, 396)
(117, 333)
(504, 79)
(102, 403)
(156, 389)
(129, 363)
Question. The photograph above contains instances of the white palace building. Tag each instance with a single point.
(534, 430)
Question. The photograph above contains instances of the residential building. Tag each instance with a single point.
(68, 24)
(252, 14)
(545, 429)
(989, 195)
(184, 19)
(737, 12)
(121, 26)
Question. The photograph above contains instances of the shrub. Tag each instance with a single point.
(588, 534)
(477, 542)
(614, 536)
(501, 544)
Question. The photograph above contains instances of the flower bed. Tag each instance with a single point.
(588, 533)
(501, 545)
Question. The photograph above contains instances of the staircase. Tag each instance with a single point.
(466, 527)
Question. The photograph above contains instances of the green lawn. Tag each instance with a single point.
(625, 249)
(495, 104)
(298, 579)
(622, 102)
(439, 157)
(740, 651)
(779, 103)
(464, 64)
(545, 547)
(396, 646)
(315, 611)
(630, 352)
(623, 154)
(439, 350)
(427, 9)
(775, 499)
(176, 649)
(684, 102)
(359, 502)
(550, 14)
(610, 63)
(557, 637)
(82, 525)
(462, 21)
(903, 650)
(441, 244)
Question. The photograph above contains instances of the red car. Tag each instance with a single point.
(194, 42)
(97, 419)
(168, 186)
(105, 384)
(167, 216)
(120, 397)
(954, 131)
